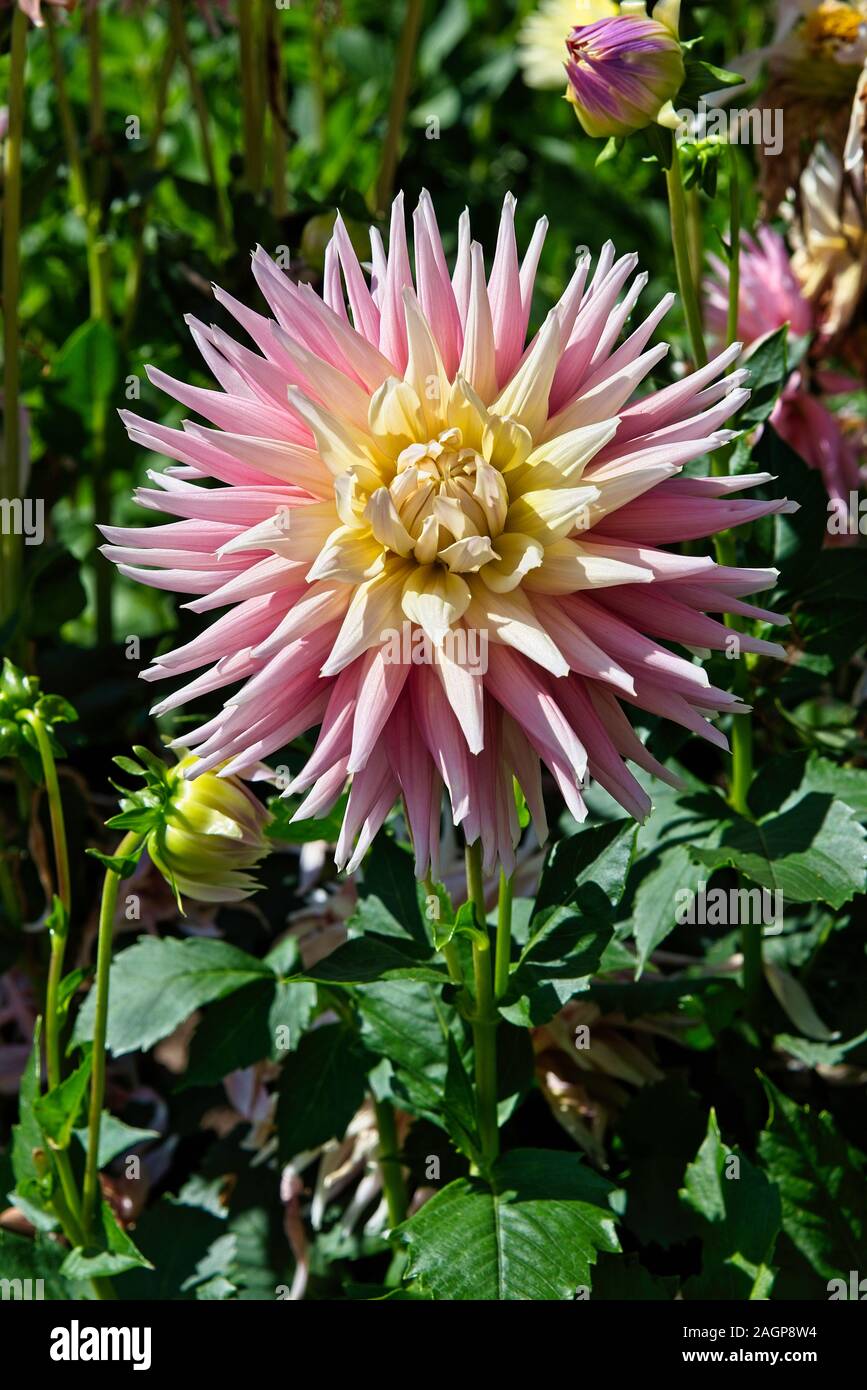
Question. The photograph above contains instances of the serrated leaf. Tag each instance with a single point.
(821, 1181)
(322, 1085)
(563, 952)
(57, 1111)
(533, 1234)
(740, 1217)
(156, 984)
(812, 850)
(588, 868)
(655, 903)
(116, 1254)
(369, 959)
(116, 1137)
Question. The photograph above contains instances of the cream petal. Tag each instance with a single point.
(468, 556)
(435, 600)
(550, 514)
(517, 556)
(569, 566)
(395, 416)
(374, 611)
(386, 524)
(511, 619)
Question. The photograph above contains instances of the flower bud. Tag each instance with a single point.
(204, 834)
(624, 71)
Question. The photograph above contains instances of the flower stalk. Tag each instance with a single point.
(10, 483)
(680, 243)
(388, 1158)
(485, 1017)
(397, 107)
(128, 846)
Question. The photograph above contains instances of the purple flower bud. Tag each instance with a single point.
(622, 72)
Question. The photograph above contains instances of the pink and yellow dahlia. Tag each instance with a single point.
(396, 458)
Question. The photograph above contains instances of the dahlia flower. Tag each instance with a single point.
(542, 37)
(624, 72)
(409, 459)
(769, 297)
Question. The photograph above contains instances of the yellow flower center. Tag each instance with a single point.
(830, 25)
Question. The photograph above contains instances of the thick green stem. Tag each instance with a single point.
(276, 79)
(10, 482)
(485, 1016)
(64, 892)
(504, 936)
(252, 103)
(132, 289)
(182, 43)
(127, 846)
(680, 242)
(388, 1157)
(400, 89)
(734, 248)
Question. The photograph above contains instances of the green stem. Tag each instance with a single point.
(64, 892)
(485, 1016)
(751, 947)
(277, 100)
(179, 33)
(388, 1157)
(696, 242)
(77, 178)
(10, 482)
(397, 107)
(127, 846)
(504, 936)
(734, 248)
(132, 290)
(252, 106)
(680, 242)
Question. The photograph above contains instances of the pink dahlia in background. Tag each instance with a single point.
(442, 544)
(770, 296)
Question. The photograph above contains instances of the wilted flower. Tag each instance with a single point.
(204, 835)
(624, 71)
(419, 468)
(830, 238)
(771, 296)
(813, 65)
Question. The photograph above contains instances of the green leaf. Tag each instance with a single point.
(58, 1110)
(32, 1190)
(702, 78)
(322, 1085)
(368, 959)
(558, 962)
(115, 1254)
(739, 1221)
(533, 1234)
(156, 984)
(39, 1258)
(116, 1137)
(285, 831)
(813, 850)
(589, 868)
(655, 904)
(817, 1054)
(409, 1024)
(87, 367)
(389, 874)
(821, 1180)
(768, 365)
